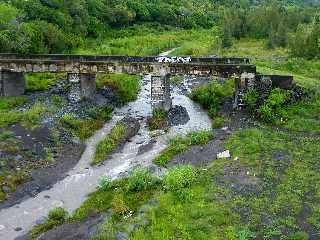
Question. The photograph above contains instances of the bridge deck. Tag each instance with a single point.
(125, 64)
(125, 59)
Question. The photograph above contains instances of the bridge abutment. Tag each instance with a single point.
(12, 84)
(160, 92)
(82, 86)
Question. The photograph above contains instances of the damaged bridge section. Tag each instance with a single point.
(82, 69)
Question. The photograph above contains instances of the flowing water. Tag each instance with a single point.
(83, 179)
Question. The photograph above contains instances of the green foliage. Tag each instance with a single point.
(273, 109)
(110, 143)
(179, 177)
(7, 103)
(218, 122)
(56, 217)
(40, 81)
(211, 95)
(58, 214)
(105, 184)
(85, 128)
(125, 86)
(199, 137)
(305, 41)
(180, 144)
(250, 99)
(140, 180)
(57, 101)
(82, 128)
(158, 120)
(29, 118)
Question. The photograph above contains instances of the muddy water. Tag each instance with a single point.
(83, 179)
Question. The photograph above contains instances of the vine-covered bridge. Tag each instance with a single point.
(82, 70)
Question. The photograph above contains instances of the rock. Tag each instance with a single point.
(41, 220)
(225, 154)
(18, 158)
(6, 189)
(178, 115)
(122, 236)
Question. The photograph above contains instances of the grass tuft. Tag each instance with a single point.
(179, 145)
(109, 144)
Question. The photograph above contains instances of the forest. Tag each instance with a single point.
(59, 26)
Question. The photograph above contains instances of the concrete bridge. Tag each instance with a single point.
(82, 70)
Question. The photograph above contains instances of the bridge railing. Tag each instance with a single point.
(128, 59)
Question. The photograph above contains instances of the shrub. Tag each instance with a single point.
(211, 95)
(101, 113)
(118, 205)
(58, 214)
(158, 120)
(80, 127)
(40, 81)
(57, 101)
(250, 99)
(126, 86)
(200, 137)
(179, 177)
(105, 184)
(218, 122)
(298, 236)
(140, 180)
(272, 110)
(7, 103)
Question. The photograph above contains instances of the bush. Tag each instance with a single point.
(211, 95)
(126, 86)
(105, 184)
(58, 214)
(273, 109)
(179, 177)
(200, 137)
(250, 99)
(40, 81)
(218, 122)
(158, 120)
(7, 103)
(140, 180)
(119, 206)
(80, 127)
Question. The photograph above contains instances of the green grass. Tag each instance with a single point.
(126, 86)
(110, 143)
(211, 95)
(29, 118)
(85, 128)
(41, 81)
(145, 43)
(180, 144)
(158, 120)
(56, 217)
(7, 103)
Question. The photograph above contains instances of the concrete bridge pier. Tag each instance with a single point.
(160, 92)
(12, 84)
(82, 86)
(243, 83)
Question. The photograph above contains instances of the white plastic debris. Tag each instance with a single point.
(225, 154)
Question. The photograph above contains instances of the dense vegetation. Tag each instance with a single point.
(54, 26)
